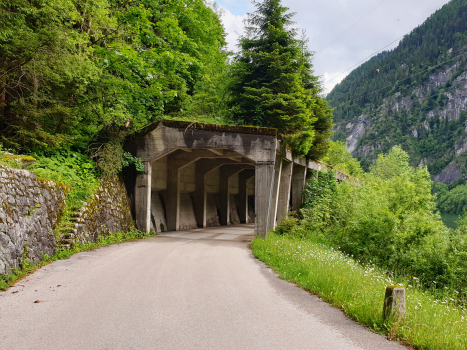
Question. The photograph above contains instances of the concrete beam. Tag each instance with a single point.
(219, 152)
(264, 184)
(143, 198)
(195, 155)
(284, 190)
(224, 194)
(166, 136)
(236, 159)
(244, 176)
(298, 185)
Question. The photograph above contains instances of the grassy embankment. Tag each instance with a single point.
(359, 292)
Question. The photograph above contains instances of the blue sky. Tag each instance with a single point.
(325, 21)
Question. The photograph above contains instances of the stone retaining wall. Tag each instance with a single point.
(30, 209)
(107, 211)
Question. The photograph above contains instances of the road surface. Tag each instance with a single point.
(198, 289)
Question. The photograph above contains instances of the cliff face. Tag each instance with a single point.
(365, 140)
(417, 100)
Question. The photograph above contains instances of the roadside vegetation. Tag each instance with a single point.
(351, 240)
(435, 323)
(7, 280)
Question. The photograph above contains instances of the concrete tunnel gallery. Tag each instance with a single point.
(201, 175)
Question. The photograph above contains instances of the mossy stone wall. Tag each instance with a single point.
(29, 212)
(107, 211)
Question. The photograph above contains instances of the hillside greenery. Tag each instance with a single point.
(414, 81)
(436, 44)
(389, 220)
(70, 69)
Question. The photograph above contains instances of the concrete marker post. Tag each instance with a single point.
(394, 302)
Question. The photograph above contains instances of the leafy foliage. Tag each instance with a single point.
(69, 69)
(273, 84)
(390, 220)
(450, 201)
(71, 168)
(340, 158)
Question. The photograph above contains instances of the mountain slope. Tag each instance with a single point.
(418, 99)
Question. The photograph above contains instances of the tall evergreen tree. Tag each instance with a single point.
(273, 83)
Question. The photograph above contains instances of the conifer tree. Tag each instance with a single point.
(273, 83)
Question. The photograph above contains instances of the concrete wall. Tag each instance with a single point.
(158, 221)
(29, 212)
(213, 180)
(212, 210)
(159, 174)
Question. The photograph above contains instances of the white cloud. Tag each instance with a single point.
(330, 79)
(233, 25)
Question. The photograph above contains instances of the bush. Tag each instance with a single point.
(390, 220)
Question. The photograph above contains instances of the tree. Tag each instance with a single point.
(45, 64)
(342, 159)
(72, 69)
(273, 83)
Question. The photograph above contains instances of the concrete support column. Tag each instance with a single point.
(143, 198)
(243, 194)
(224, 198)
(275, 194)
(298, 185)
(224, 193)
(264, 186)
(172, 202)
(284, 190)
(200, 198)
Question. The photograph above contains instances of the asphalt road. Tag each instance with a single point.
(199, 289)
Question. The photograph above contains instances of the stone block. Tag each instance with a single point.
(394, 302)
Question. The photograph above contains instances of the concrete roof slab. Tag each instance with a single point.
(256, 144)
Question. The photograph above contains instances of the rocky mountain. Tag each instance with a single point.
(414, 96)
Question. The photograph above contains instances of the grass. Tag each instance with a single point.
(27, 268)
(359, 292)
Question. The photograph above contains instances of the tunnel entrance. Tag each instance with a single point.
(205, 175)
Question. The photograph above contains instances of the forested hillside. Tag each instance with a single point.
(417, 99)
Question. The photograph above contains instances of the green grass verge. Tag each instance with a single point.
(27, 268)
(359, 292)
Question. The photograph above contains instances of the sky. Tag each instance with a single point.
(341, 32)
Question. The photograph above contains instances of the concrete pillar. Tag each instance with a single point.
(224, 194)
(244, 176)
(284, 190)
(200, 197)
(224, 198)
(298, 185)
(394, 302)
(143, 198)
(172, 201)
(203, 167)
(264, 186)
(275, 194)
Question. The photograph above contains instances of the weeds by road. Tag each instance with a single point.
(359, 292)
